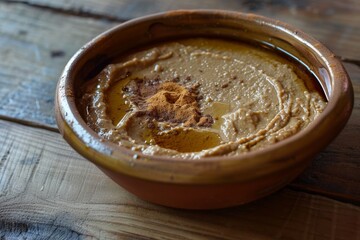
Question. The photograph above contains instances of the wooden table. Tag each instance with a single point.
(48, 191)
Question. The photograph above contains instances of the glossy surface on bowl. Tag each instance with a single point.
(217, 181)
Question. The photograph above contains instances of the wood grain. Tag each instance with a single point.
(48, 191)
(35, 46)
(335, 23)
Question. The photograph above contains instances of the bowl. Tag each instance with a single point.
(214, 182)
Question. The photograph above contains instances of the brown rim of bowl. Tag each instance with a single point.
(280, 156)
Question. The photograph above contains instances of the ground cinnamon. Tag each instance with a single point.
(169, 101)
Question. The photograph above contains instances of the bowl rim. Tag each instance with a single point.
(217, 169)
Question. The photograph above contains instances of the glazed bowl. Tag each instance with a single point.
(213, 182)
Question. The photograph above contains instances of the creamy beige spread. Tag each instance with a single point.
(199, 97)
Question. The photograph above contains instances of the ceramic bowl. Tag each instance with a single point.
(214, 182)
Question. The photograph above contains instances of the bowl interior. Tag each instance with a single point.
(249, 28)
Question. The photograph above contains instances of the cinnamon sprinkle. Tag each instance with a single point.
(169, 101)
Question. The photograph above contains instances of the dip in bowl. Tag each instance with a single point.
(202, 109)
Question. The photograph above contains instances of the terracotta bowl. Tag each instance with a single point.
(214, 182)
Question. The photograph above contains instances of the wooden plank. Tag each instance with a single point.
(48, 191)
(335, 23)
(34, 48)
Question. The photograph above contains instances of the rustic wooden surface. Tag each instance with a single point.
(47, 191)
(50, 191)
